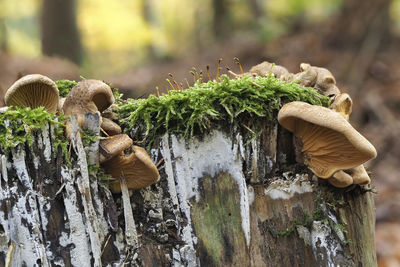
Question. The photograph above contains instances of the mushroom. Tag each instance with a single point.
(329, 142)
(110, 127)
(60, 104)
(113, 146)
(343, 105)
(88, 96)
(265, 68)
(319, 78)
(360, 175)
(341, 179)
(33, 91)
(135, 165)
(307, 77)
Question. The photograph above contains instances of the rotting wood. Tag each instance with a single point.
(218, 202)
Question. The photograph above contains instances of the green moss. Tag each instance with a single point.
(192, 111)
(291, 229)
(64, 86)
(17, 125)
(88, 137)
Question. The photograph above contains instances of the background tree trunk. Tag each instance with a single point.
(219, 202)
(60, 35)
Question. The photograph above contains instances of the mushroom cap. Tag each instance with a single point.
(265, 68)
(110, 127)
(307, 76)
(60, 104)
(138, 169)
(330, 143)
(114, 146)
(33, 91)
(341, 179)
(343, 105)
(360, 175)
(88, 96)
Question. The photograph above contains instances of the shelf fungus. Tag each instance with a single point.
(119, 157)
(329, 143)
(33, 91)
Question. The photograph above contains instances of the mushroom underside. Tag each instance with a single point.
(39, 95)
(136, 173)
(327, 151)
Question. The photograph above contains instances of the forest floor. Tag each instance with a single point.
(370, 76)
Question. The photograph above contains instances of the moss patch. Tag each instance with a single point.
(65, 86)
(192, 111)
(17, 125)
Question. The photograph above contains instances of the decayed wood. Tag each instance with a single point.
(219, 202)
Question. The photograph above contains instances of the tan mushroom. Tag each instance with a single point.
(33, 91)
(265, 68)
(319, 78)
(343, 105)
(60, 104)
(341, 179)
(110, 127)
(113, 146)
(360, 175)
(135, 165)
(330, 143)
(88, 96)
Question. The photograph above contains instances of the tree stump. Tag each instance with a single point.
(219, 202)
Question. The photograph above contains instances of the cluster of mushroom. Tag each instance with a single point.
(330, 146)
(118, 155)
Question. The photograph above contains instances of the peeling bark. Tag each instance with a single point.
(219, 202)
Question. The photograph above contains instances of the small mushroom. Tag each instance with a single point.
(319, 78)
(113, 146)
(265, 68)
(110, 127)
(60, 104)
(343, 105)
(136, 165)
(360, 175)
(341, 179)
(33, 91)
(329, 142)
(88, 96)
(307, 77)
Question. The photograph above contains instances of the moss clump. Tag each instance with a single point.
(64, 86)
(193, 110)
(17, 125)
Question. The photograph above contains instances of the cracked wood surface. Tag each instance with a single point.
(219, 202)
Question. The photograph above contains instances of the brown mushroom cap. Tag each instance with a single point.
(88, 96)
(343, 105)
(265, 68)
(110, 127)
(138, 169)
(341, 179)
(330, 143)
(307, 76)
(33, 91)
(360, 175)
(114, 146)
(319, 78)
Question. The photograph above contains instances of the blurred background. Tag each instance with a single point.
(135, 44)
